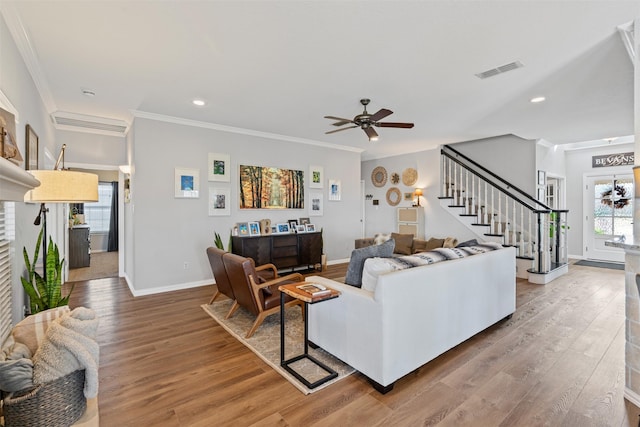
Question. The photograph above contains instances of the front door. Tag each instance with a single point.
(609, 214)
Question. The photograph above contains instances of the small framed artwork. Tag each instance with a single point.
(316, 208)
(32, 150)
(542, 177)
(311, 228)
(243, 229)
(274, 229)
(293, 224)
(187, 183)
(303, 221)
(317, 175)
(254, 228)
(335, 189)
(218, 167)
(282, 228)
(301, 228)
(219, 202)
(408, 197)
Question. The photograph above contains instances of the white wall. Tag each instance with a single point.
(507, 156)
(91, 149)
(168, 232)
(382, 218)
(19, 88)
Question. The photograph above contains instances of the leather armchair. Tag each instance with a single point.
(258, 297)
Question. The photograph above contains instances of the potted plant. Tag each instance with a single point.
(217, 240)
(44, 292)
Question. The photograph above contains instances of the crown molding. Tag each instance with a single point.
(21, 38)
(231, 129)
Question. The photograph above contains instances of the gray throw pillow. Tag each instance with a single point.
(358, 257)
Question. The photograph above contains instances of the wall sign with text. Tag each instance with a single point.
(620, 159)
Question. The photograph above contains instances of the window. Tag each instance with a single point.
(98, 214)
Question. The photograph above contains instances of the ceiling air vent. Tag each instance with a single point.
(499, 70)
(90, 124)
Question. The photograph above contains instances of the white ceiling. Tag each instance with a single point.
(278, 67)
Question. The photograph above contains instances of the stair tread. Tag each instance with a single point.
(456, 206)
(481, 225)
(444, 197)
(493, 234)
(468, 215)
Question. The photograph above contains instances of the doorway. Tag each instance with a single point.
(608, 211)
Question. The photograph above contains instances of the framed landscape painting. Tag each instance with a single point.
(271, 188)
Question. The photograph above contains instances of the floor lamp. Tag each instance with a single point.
(60, 186)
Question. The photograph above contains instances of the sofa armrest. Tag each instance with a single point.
(363, 243)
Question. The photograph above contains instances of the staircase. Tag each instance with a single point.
(495, 210)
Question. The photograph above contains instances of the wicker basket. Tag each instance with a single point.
(58, 403)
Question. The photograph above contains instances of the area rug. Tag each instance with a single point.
(102, 264)
(265, 343)
(600, 264)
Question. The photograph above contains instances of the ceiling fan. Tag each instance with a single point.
(366, 121)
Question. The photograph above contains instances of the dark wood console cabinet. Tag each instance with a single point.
(79, 247)
(282, 250)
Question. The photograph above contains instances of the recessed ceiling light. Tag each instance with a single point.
(198, 102)
(537, 99)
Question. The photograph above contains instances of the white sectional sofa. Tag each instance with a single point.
(414, 315)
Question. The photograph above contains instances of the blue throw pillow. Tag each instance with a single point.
(358, 256)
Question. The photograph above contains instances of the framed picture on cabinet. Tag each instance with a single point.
(311, 228)
(254, 228)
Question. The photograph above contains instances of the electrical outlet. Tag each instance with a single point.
(186, 265)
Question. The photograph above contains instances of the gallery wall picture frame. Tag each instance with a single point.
(254, 228)
(219, 202)
(187, 183)
(316, 205)
(32, 147)
(264, 187)
(335, 190)
(218, 167)
(316, 176)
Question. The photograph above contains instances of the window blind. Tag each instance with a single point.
(7, 235)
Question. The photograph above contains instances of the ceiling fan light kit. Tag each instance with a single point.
(366, 121)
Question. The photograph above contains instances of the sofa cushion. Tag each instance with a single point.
(358, 257)
(434, 243)
(404, 243)
(450, 242)
(380, 238)
(472, 242)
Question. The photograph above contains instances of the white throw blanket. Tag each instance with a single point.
(70, 344)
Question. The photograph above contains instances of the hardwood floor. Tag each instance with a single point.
(559, 361)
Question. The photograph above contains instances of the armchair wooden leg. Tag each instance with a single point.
(234, 308)
(214, 297)
(257, 323)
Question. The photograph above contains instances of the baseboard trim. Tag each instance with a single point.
(163, 289)
(632, 396)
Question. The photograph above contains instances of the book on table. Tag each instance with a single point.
(314, 289)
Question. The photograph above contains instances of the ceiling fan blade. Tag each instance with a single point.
(371, 133)
(381, 114)
(342, 119)
(394, 125)
(338, 130)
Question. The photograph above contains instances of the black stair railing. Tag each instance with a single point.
(537, 231)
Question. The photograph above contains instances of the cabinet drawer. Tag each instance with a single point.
(285, 262)
(279, 241)
(284, 251)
